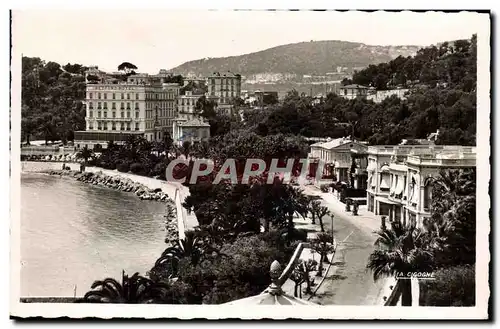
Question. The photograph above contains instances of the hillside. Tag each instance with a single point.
(304, 58)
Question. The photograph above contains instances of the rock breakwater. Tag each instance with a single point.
(115, 182)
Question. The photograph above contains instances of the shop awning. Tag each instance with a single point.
(371, 166)
(385, 200)
(385, 182)
(393, 183)
(399, 186)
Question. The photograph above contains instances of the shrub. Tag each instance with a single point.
(324, 188)
(136, 168)
(243, 272)
(123, 167)
(453, 286)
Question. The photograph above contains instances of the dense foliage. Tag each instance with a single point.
(51, 100)
(444, 100)
(453, 286)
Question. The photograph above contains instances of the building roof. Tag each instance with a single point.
(227, 74)
(334, 143)
(353, 87)
(196, 122)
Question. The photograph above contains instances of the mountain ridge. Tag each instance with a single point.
(301, 58)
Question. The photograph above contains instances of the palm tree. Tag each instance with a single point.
(400, 249)
(191, 247)
(85, 154)
(323, 245)
(132, 290)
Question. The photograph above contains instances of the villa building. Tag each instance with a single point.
(400, 177)
(353, 91)
(223, 88)
(338, 156)
(116, 108)
(188, 126)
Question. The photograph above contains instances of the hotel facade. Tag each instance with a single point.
(400, 178)
(142, 105)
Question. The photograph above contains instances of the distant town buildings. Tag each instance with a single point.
(355, 91)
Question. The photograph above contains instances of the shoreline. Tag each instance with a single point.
(122, 184)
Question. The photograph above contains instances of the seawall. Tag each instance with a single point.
(39, 166)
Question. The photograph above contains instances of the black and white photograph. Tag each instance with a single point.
(227, 164)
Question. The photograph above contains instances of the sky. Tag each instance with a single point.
(163, 39)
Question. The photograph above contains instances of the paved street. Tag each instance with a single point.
(349, 282)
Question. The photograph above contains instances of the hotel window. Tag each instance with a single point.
(156, 96)
(128, 115)
(122, 115)
(136, 96)
(128, 106)
(136, 126)
(122, 126)
(122, 105)
(91, 127)
(128, 125)
(99, 95)
(98, 114)
(122, 96)
(105, 95)
(105, 126)
(113, 126)
(91, 105)
(114, 114)
(99, 126)
(90, 114)
(114, 96)
(99, 105)
(136, 106)
(113, 106)
(105, 105)
(90, 95)
(105, 114)
(128, 96)
(137, 115)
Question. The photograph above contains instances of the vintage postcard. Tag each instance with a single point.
(208, 164)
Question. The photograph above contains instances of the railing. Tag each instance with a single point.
(395, 295)
(293, 262)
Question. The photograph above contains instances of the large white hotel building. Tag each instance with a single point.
(142, 104)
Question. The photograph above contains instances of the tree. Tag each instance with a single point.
(85, 154)
(127, 67)
(131, 290)
(453, 286)
(323, 245)
(304, 269)
(191, 247)
(400, 250)
(318, 211)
